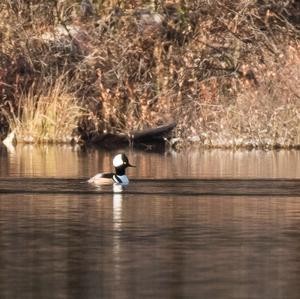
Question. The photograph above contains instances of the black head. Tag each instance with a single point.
(121, 162)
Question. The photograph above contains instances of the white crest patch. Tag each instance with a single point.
(117, 161)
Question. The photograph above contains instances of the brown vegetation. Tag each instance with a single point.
(226, 71)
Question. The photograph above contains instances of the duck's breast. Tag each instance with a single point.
(121, 179)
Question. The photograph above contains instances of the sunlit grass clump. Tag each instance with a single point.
(48, 113)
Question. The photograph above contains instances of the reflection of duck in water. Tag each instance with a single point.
(120, 163)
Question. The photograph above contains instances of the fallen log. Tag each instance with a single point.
(148, 138)
(153, 134)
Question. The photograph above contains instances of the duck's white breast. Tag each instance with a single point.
(121, 179)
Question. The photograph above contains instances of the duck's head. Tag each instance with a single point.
(121, 162)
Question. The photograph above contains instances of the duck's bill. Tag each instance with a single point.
(129, 165)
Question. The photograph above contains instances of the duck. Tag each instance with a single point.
(120, 162)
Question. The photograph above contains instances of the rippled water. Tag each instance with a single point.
(155, 246)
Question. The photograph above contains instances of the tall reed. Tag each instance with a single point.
(48, 113)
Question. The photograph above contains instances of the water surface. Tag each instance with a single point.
(127, 245)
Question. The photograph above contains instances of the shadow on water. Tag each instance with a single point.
(167, 235)
(250, 187)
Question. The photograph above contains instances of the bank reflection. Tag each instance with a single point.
(68, 161)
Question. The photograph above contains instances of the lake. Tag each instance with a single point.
(61, 238)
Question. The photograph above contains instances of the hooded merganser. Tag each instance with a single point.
(120, 163)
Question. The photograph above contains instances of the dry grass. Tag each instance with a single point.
(48, 113)
(212, 66)
(260, 116)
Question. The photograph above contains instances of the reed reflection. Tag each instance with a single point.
(67, 161)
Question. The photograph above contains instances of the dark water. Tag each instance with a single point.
(148, 246)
